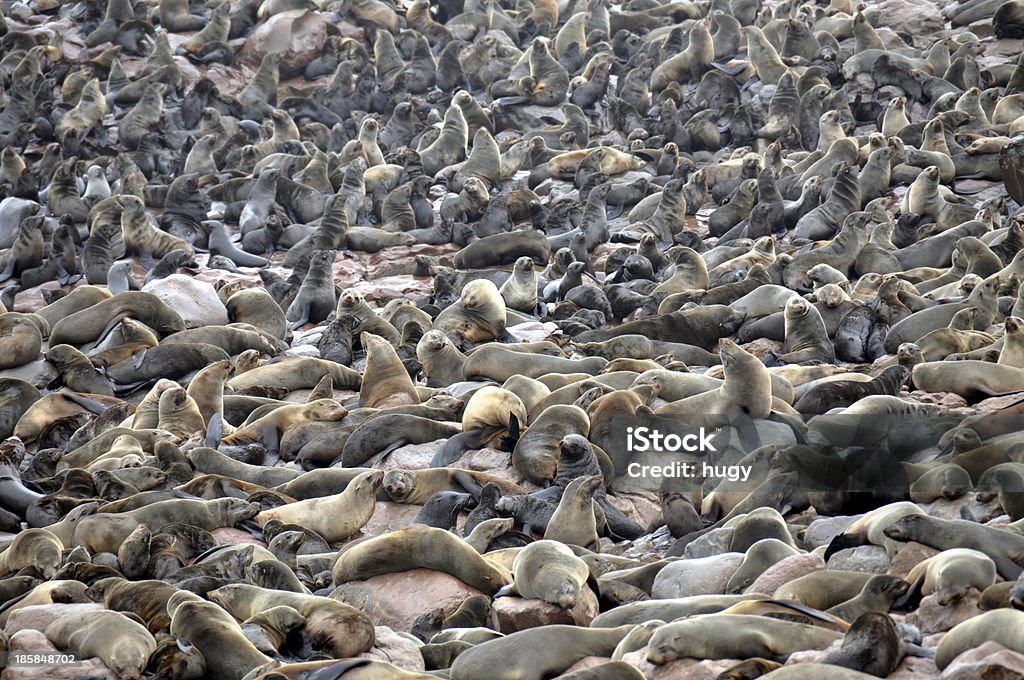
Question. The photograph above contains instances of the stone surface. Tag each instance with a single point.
(714, 542)
(785, 571)
(700, 576)
(932, 617)
(821, 531)
(398, 649)
(909, 17)
(515, 613)
(297, 35)
(909, 556)
(395, 600)
(867, 558)
(196, 301)
(989, 661)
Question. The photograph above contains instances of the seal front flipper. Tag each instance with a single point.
(214, 430)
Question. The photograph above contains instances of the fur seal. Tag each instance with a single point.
(419, 547)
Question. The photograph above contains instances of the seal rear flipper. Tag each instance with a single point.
(508, 442)
(468, 483)
(456, 446)
(382, 456)
(844, 541)
(91, 405)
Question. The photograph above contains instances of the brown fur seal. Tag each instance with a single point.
(123, 645)
(549, 571)
(419, 547)
(553, 650)
(333, 517)
(336, 627)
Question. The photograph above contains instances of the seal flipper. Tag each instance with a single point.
(214, 431)
(468, 483)
(8, 271)
(844, 541)
(508, 442)
(456, 446)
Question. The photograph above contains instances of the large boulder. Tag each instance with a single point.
(395, 600)
(196, 301)
(297, 35)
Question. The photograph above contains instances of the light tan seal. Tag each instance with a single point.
(549, 571)
(386, 383)
(123, 645)
(334, 517)
(420, 547)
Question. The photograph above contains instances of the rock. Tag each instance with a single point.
(785, 571)
(988, 661)
(691, 669)
(30, 640)
(700, 576)
(812, 655)
(233, 536)
(515, 613)
(762, 347)
(39, 616)
(533, 331)
(196, 301)
(297, 35)
(909, 17)
(395, 600)
(388, 516)
(932, 617)
(821, 531)
(867, 558)
(908, 557)
(39, 373)
(714, 542)
(412, 456)
(915, 668)
(395, 648)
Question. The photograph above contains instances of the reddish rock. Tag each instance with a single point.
(915, 668)
(388, 516)
(909, 556)
(932, 617)
(515, 613)
(297, 35)
(988, 661)
(785, 571)
(395, 600)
